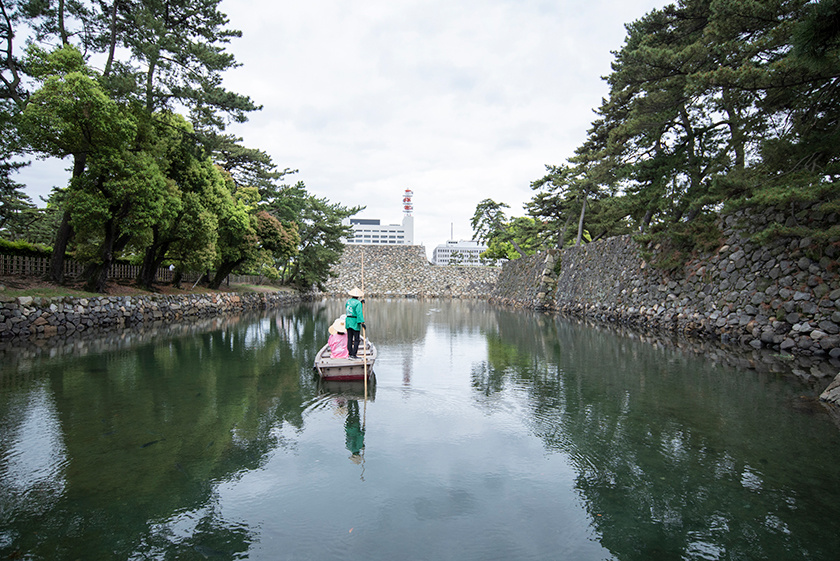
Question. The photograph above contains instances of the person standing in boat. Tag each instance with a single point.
(354, 320)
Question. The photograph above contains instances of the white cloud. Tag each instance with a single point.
(458, 101)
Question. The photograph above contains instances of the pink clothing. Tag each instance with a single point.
(338, 345)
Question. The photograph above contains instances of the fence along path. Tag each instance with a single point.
(19, 266)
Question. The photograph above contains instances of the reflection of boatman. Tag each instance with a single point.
(355, 434)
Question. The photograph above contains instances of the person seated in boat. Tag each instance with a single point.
(338, 339)
(354, 320)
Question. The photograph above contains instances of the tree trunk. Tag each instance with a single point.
(112, 40)
(736, 133)
(562, 240)
(693, 165)
(62, 239)
(97, 273)
(150, 74)
(10, 86)
(61, 29)
(692, 214)
(223, 271)
(65, 231)
(646, 220)
(517, 248)
(580, 222)
(152, 259)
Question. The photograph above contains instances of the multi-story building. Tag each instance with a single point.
(371, 231)
(462, 252)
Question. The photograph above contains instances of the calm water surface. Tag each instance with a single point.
(489, 434)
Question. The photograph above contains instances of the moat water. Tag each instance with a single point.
(488, 434)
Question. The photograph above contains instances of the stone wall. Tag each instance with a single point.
(26, 316)
(783, 296)
(404, 271)
(527, 282)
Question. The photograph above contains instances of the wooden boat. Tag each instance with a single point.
(346, 369)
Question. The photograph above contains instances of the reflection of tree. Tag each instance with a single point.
(147, 432)
(674, 459)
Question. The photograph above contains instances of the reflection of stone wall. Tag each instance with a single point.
(19, 351)
(403, 271)
(26, 316)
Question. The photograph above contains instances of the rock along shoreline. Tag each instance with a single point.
(33, 317)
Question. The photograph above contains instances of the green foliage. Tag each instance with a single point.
(505, 238)
(42, 64)
(70, 114)
(320, 229)
(247, 166)
(714, 105)
(670, 248)
(17, 213)
(558, 264)
(497, 249)
(24, 249)
(456, 258)
(279, 240)
(185, 231)
(269, 271)
(141, 181)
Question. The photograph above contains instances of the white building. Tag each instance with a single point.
(370, 231)
(462, 252)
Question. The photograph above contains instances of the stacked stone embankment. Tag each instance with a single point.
(26, 316)
(783, 295)
(403, 271)
(528, 282)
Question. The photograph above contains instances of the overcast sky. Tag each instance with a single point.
(458, 100)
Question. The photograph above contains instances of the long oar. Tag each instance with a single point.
(364, 342)
(364, 336)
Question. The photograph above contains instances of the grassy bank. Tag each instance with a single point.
(13, 287)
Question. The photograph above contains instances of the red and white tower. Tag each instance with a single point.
(408, 218)
(408, 206)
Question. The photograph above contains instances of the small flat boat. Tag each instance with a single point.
(346, 369)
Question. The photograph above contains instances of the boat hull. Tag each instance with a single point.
(345, 369)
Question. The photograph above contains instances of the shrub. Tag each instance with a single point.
(24, 249)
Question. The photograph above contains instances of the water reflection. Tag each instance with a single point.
(355, 431)
(488, 434)
(147, 429)
(672, 461)
(32, 474)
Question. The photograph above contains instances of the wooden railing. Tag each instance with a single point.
(19, 266)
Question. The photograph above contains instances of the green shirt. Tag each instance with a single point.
(355, 316)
